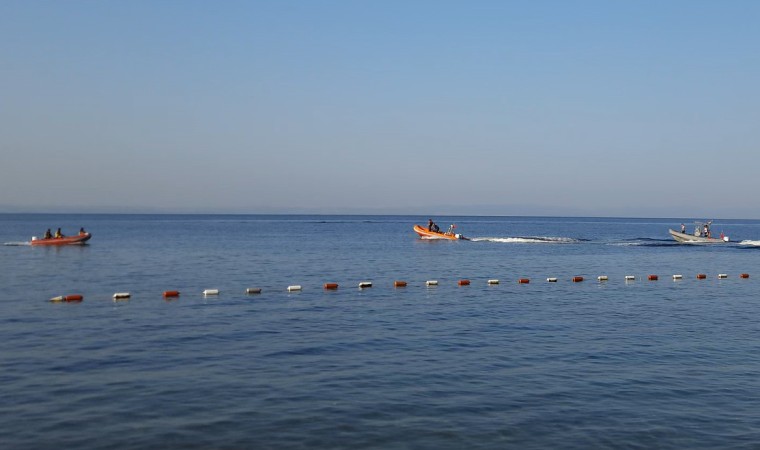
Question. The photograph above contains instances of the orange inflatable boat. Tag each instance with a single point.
(78, 239)
(426, 234)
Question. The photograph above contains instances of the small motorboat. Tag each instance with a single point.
(79, 239)
(701, 235)
(427, 234)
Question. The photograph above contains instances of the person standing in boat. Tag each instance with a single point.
(683, 228)
(432, 226)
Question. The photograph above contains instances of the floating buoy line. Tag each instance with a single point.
(332, 286)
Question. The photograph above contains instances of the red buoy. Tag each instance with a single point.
(464, 282)
(399, 284)
(744, 275)
(523, 281)
(653, 278)
(577, 279)
(701, 276)
(73, 298)
(168, 294)
(331, 286)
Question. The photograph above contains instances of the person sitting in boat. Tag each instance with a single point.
(58, 233)
(48, 234)
(432, 226)
(82, 232)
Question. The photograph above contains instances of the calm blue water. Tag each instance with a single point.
(643, 364)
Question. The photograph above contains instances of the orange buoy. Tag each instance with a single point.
(168, 294)
(399, 284)
(577, 279)
(653, 278)
(523, 281)
(331, 286)
(744, 275)
(73, 298)
(701, 276)
(464, 282)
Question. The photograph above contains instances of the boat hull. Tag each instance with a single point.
(424, 233)
(691, 239)
(79, 239)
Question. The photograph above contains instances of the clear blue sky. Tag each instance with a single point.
(605, 108)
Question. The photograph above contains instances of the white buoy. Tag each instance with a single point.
(629, 278)
(552, 280)
(211, 292)
(602, 278)
(121, 295)
(677, 276)
(294, 288)
(722, 275)
(253, 291)
(431, 283)
(493, 281)
(365, 284)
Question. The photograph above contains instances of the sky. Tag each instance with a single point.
(557, 108)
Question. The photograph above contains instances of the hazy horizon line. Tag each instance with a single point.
(365, 214)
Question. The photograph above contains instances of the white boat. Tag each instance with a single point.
(701, 235)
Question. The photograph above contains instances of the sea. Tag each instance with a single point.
(632, 362)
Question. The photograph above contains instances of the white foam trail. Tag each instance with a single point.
(525, 240)
(750, 243)
(18, 243)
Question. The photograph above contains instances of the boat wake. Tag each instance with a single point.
(749, 243)
(645, 242)
(527, 240)
(18, 243)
